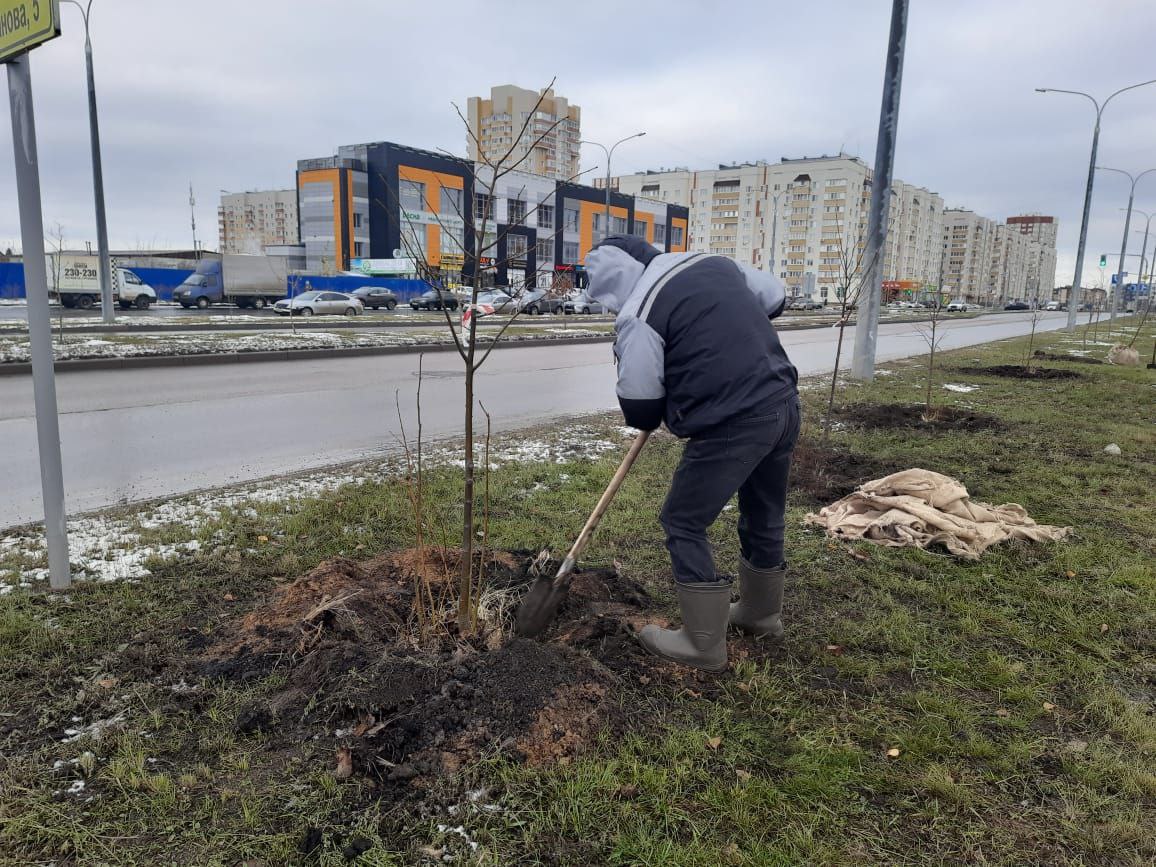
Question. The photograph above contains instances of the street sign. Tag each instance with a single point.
(24, 24)
(1115, 276)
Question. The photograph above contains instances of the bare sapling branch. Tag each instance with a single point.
(848, 291)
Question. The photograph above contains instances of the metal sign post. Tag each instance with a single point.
(25, 24)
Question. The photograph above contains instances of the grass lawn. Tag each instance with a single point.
(921, 710)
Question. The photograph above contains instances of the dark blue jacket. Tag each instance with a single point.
(695, 345)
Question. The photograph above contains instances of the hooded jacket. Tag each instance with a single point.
(695, 346)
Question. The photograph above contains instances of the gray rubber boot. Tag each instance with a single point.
(702, 640)
(759, 610)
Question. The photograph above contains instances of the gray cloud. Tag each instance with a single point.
(230, 95)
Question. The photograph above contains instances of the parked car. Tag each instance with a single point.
(583, 304)
(318, 304)
(534, 302)
(957, 306)
(1016, 305)
(434, 299)
(557, 304)
(498, 299)
(376, 297)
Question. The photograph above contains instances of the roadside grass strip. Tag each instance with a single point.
(920, 710)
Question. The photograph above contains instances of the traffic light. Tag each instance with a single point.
(1103, 260)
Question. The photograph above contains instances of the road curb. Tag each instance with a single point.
(18, 368)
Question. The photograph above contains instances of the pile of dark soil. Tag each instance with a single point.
(401, 708)
(1018, 371)
(915, 417)
(1078, 359)
(820, 476)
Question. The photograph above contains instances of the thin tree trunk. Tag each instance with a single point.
(930, 370)
(466, 582)
(834, 380)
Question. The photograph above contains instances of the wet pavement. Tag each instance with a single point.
(135, 434)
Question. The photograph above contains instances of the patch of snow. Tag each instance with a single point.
(962, 389)
(116, 546)
(93, 730)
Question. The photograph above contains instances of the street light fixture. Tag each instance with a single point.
(1074, 295)
(609, 153)
(107, 314)
(1123, 244)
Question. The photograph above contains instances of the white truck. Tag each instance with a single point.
(74, 280)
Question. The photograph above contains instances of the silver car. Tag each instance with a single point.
(583, 304)
(318, 304)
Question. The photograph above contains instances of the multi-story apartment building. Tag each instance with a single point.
(547, 142)
(805, 219)
(968, 243)
(384, 200)
(249, 222)
(993, 263)
(1041, 262)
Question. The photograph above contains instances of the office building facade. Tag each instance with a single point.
(384, 200)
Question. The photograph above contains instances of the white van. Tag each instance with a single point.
(74, 279)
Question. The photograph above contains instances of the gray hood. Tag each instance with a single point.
(613, 275)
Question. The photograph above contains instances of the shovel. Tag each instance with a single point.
(546, 595)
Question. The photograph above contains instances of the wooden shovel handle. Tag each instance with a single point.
(607, 496)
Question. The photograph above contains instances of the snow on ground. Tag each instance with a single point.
(123, 544)
(14, 348)
(962, 389)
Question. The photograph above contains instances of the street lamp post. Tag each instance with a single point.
(1124, 243)
(107, 313)
(609, 153)
(1144, 250)
(1074, 295)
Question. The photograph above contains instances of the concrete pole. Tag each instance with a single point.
(1074, 295)
(1119, 287)
(39, 320)
(867, 321)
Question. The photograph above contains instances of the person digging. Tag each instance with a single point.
(696, 349)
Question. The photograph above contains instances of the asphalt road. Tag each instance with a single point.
(138, 434)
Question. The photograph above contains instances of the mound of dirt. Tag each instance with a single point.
(401, 707)
(1018, 371)
(1078, 359)
(915, 417)
(820, 476)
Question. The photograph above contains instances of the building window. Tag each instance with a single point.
(618, 225)
(545, 216)
(640, 229)
(357, 249)
(412, 195)
(659, 233)
(516, 247)
(515, 211)
(676, 236)
(356, 220)
(570, 215)
(545, 251)
(483, 206)
(451, 202)
(570, 252)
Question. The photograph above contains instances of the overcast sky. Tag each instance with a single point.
(228, 95)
